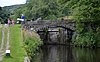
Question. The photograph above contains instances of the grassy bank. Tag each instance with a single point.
(31, 43)
(17, 51)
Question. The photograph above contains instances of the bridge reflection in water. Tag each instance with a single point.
(61, 53)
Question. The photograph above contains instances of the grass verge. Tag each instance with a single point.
(5, 36)
(17, 51)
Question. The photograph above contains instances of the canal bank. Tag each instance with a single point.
(32, 43)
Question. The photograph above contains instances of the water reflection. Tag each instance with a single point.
(53, 53)
(56, 53)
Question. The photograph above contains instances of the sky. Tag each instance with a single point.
(11, 2)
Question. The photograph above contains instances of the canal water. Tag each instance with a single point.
(61, 53)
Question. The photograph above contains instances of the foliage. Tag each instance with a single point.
(1, 20)
(46, 9)
(86, 39)
(86, 12)
(83, 10)
(8, 12)
(31, 43)
(4, 14)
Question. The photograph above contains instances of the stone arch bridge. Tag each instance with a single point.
(53, 32)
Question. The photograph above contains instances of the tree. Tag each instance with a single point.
(89, 13)
(46, 9)
(85, 10)
(3, 15)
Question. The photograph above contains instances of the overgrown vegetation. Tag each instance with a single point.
(87, 12)
(31, 43)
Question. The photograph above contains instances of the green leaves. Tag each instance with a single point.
(44, 8)
(31, 43)
(4, 14)
(86, 39)
(87, 12)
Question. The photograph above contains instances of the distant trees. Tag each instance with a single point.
(46, 9)
(3, 15)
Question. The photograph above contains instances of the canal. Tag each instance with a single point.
(62, 53)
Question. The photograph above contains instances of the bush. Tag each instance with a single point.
(31, 43)
(89, 39)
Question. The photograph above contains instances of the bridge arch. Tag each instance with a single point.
(48, 30)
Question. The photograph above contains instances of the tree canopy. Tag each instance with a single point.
(4, 14)
(85, 10)
(46, 9)
(89, 13)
